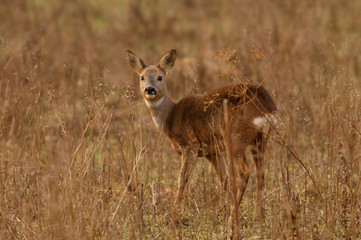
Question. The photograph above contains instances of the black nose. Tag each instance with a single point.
(150, 90)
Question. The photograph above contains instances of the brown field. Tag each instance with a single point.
(80, 157)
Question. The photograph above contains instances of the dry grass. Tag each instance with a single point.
(75, 136)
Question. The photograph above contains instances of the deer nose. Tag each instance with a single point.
(150, 91)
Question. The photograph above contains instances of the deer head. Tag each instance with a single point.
(152, 84)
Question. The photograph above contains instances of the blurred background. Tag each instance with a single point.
(81, 158)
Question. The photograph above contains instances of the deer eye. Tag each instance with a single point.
(159, 78)
(142, 78)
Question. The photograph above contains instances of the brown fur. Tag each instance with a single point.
(195, 125)
(202, 114)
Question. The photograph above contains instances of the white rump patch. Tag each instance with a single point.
(154, 104)
(260, 121)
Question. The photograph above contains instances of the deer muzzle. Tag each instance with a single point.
(150, 91)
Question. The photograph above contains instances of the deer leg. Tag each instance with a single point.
(241, 176)
(189, 157)
(220, 168)
(257, 150)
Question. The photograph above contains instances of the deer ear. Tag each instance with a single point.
(135, 62)
(167, 62)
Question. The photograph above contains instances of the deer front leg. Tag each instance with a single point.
(189, 156)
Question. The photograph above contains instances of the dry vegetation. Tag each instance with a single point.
(75, 136)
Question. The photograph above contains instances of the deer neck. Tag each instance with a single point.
(160, 110)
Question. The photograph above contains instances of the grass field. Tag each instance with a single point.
(80, 157)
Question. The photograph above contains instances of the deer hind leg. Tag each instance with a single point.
(257, 150)
(220, 168)
(241, 176)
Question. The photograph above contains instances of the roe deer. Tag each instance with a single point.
(195, 125)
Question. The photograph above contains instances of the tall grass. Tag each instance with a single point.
(80, 157)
